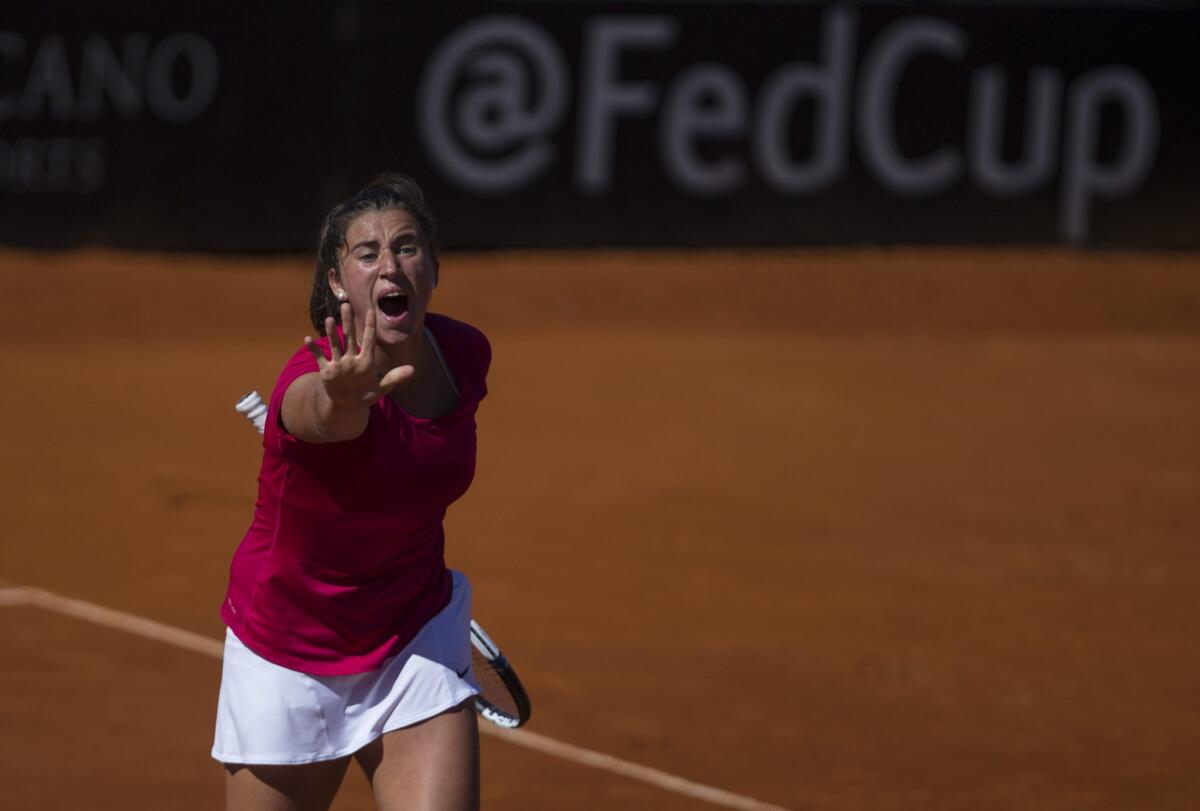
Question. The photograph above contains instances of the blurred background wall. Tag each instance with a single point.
(231, 127)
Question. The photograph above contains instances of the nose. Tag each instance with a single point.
(388, 263)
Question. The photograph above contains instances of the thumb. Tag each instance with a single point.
(395, 377)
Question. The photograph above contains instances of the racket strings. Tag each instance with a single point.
(492, 688)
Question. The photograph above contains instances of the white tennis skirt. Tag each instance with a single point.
(267, 714)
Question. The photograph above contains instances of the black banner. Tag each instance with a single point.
(151, 126)
(548, 124)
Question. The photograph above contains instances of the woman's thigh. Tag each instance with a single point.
(430, 765)
(306, 787)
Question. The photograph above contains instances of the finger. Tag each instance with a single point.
(335, 347)
(368, 341)
(395, 377)
(348, 328)
(312, 347)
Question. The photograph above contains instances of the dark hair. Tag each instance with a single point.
(387, 191)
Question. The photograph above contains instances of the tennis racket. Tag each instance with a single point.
(502, 698)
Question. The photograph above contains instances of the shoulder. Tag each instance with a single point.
(454, 330)
(467, 351)
(301, 363)
(460, 338)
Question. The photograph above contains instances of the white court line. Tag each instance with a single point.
(99, 615)
(14, 596)
(149, 629)
(634, 771)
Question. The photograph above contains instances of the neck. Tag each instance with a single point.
(409, 351)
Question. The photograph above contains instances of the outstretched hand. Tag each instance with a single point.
(354, 377)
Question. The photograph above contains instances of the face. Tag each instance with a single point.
(387, 266)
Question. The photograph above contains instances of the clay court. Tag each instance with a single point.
(845, 529)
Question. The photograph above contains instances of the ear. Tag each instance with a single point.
(335, 284)
(437, 266)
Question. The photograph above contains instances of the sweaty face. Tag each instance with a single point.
(387, 266)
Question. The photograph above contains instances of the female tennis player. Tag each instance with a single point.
(348, 638)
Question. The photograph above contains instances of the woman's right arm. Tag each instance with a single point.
(310, 415)
(334, 403)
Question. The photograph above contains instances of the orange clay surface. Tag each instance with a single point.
(872, 530)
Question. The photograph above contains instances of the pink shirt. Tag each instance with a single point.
(343, 563)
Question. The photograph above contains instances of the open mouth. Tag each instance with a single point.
(393, 304)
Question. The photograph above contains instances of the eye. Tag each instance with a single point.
(367, 257)
(406, 250)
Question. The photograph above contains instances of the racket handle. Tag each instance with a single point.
(254, 409)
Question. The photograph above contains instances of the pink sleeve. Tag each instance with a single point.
(483, 360)
(301, 363)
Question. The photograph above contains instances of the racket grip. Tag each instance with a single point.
(254, 409)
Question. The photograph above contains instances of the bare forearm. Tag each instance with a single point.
(333, 404)
(309, 414)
